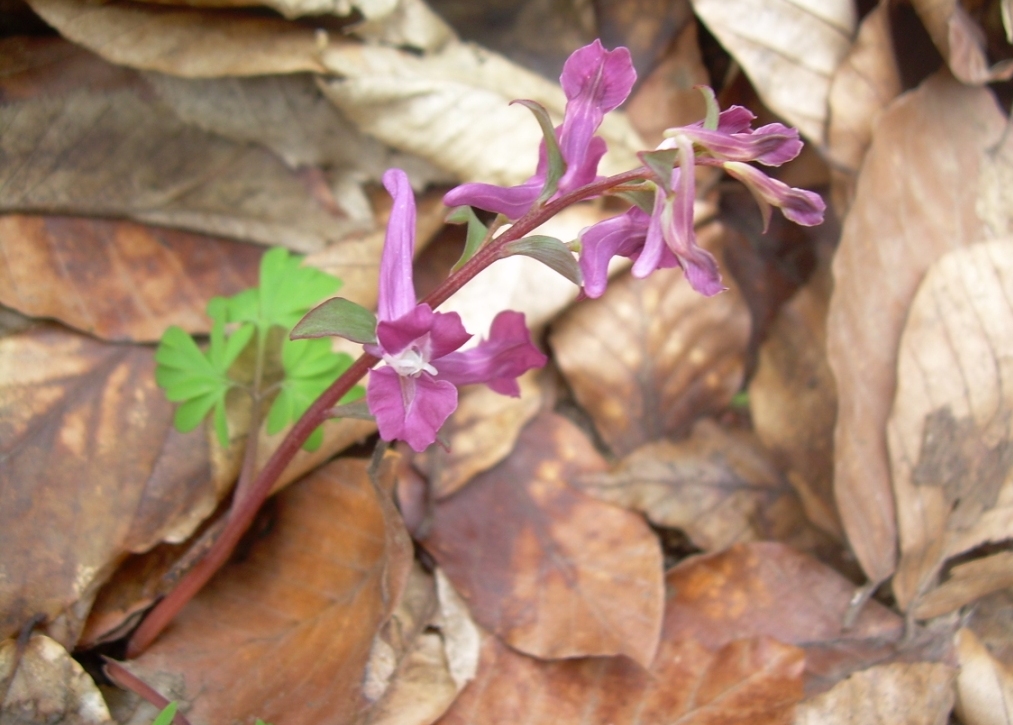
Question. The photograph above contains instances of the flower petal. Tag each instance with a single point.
(799, 205)
(412, 409)
(512, 202)
(393, 336)
(396, 289)
(498, 361)
(621, 235)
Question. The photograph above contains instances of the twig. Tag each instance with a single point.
(127, 680)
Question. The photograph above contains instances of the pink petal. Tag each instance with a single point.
(438, 332)
(412, 409)
(799, 205)
(512, 202)
(396, 289)
(498, 361)
(621, 235)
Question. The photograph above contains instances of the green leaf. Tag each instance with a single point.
(643, 197)
(168, 713)
(477, 232)
(557, 165)
(338, 317)
(549, 251)
(310, 367)
(710, 122)
(661, 164)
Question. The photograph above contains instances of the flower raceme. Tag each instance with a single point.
(595, 82)
(416, 391)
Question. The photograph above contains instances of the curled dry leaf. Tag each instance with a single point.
(720, 487)
(789, 50)
(44, 684)
(184, 41)
(551, 571)
(93, 469)
(909, 209)
(961, 42)
(950, 429)
(793, 401)
(104, 145)
(481, 433)
(753, 680)
(452, 108)
(651, 356)
(311, 594)
(917, 693)
(118, 280)
(864, 84)
(984, 685)
(966, 583)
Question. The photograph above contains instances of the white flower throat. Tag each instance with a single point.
(410, 362)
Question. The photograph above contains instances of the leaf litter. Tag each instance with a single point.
(134, 174)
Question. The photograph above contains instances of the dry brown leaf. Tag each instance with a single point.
(789, 50)
(961, 42)
(950, 431)
(647, 27)
(184, 41)
(110, 148)
(984, 685)
(285, 633)
(45, 685)
(864, 84)
(452, 108)
(553, 572)
(991, 619)
(909, 209)
(651, 356)
(118, 280)
(967, 582)
(720, 487)
(919, 693)
(793, 400)
(756, 681)
(92, 469)
(480, 433)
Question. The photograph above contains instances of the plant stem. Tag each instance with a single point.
(127, 680)
(253, 436)
(245, 508)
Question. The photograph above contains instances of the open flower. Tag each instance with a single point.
(416, 391)
(595, 82)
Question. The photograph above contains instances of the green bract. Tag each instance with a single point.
(168, 713)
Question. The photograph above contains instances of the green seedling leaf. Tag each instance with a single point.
(549, 251)
(168, 713)
(310, 367)
(661, 164)
(710, 121)
(557, 165)
(337, 317)
(477, 232)
(287, 291)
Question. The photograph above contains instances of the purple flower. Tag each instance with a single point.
(416, 391)
(798, 205)
(595, 82)
(733, 139)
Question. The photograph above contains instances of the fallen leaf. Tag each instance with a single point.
(93, 469)
(908, 211)
(790, 51)
(793, 402)
(966, 583)
(184, 41)
(961, 42)
(718, 486)
(864, 84)
(118, 280)
(648, 28)
(755, 681)
(950, 428)
(452, 108)
(311, 594)
(984, 685)
(651, 356)
(44, 684)
(481, 433)
(115, 150)
(991, 619)
(551, 571)
(919, 693)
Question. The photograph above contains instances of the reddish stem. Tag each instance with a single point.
(246, 508)
(127, 680)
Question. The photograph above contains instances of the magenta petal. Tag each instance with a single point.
(734, 119)
(602, 77)
(396, 290)
(621, 235)
(498, 361)
(447, 334)
(701, 271)
(394, 336)
(652, 255)
(412, 409)
(771, 145)
(512, 202)
(583, 170)
(799, 205)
